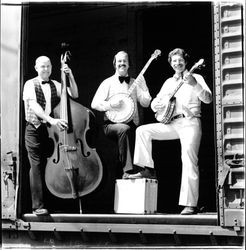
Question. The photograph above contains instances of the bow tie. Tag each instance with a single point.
(124, 78)
(43, 82)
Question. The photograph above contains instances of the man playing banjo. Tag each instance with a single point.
(181, 95)
(121, 111)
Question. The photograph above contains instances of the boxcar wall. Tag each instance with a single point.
(95, 32)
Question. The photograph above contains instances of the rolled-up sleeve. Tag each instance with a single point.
(29, 91)
(144, 97)
(202, 90)
(162, 95)
(143, 94)
(99, 101)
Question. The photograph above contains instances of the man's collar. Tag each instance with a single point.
(179, 76)
(117, 75)
(42, 80)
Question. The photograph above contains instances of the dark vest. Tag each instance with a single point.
(40, 95)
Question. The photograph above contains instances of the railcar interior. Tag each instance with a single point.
(95, 33)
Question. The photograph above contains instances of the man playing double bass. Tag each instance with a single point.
(41, 95)
(121, 132)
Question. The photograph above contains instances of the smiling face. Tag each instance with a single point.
(178, 63)
(43, 67)
(121, 63)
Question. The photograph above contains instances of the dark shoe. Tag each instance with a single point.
(189, 210)
(125, 176)
(40, 211)
(128, 173)
(146, 173)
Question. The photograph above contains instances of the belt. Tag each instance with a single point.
(177, 117)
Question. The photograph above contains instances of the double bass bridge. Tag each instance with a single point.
(67, 148)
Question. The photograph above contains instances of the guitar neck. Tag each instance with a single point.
(135, 83)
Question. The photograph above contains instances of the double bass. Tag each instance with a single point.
(74, 169)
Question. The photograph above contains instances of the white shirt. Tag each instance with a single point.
(30, 94)
(112, 86)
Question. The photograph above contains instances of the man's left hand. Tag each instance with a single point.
(66, 69)
(189, 79)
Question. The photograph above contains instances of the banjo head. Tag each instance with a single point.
(125, 112)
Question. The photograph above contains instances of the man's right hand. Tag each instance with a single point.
(159, 106)
(115, 103)
(161, 103)
(59, 123)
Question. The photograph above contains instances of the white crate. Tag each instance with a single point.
(136, 196)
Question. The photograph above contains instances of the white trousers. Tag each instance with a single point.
(189, 132)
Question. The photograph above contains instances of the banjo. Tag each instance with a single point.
(164, 115)
(125, 112)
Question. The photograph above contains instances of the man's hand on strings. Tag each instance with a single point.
(59, 123)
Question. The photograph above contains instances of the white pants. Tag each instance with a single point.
(189, 132)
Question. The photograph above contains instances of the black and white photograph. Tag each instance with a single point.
(122, 124)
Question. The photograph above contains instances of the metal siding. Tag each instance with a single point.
(10, 106)
(230, 112)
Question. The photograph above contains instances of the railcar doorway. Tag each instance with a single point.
(187, 26)
(96, 31)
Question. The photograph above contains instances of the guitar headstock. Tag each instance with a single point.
(156, 53)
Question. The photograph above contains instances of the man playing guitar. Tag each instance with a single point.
(108, 98)
(184, 124)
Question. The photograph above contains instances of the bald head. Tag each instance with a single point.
(43, 67)
(42, 59)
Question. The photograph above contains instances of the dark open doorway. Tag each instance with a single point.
(187, 26)
(96, 31)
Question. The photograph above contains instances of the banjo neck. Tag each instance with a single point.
(177, 88)
(195, 66)
(126, 111)
(135, 83)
